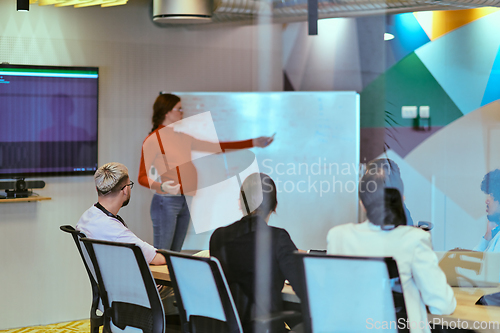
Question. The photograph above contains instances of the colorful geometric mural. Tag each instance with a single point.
(439, 23)
(409, 36)
(457, 64)
(448, 61)
(408, 82)
(492, 91)
(432, 61)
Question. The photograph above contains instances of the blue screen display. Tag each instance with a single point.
(48, 120)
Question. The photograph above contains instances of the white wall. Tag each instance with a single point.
(41, 277)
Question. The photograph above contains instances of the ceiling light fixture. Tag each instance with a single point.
(23, 5)
(78, 3)
(388, 36)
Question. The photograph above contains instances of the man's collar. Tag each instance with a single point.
(108, 213)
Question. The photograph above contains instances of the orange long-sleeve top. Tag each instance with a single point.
(169, 152)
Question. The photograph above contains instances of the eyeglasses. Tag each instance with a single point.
(181, 110)
(131, 186)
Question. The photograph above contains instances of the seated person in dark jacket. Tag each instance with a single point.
(255, 257)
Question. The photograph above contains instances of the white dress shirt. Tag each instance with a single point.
(95, 224)
(493, 245)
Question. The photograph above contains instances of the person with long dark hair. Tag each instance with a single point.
(255, 257)
(385, 234)
(163, 151)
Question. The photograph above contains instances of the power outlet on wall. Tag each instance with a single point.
(425, 111)
(409, 111)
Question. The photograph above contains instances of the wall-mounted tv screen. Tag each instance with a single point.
(48, 120)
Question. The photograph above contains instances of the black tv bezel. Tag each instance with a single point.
(23, 175)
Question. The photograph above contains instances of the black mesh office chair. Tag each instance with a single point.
(96, 318)
(351, 294)
(128, 289)
(204, 299)
(202, 295)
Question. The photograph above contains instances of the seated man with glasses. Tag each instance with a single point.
(101, 221)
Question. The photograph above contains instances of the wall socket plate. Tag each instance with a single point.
(409, 111)
(424, 111)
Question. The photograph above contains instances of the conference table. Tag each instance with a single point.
(466, 315)
(469, 315)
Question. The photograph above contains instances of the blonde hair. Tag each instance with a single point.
(109, 176)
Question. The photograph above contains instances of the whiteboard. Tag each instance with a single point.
(314, 159)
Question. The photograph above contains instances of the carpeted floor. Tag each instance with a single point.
(80, 326)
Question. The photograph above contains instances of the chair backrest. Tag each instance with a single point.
(77, 235)
(96, 318)
(127, 286)
(351, 294)
(203, 297)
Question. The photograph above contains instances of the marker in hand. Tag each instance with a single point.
(263, 141)
(271, 139)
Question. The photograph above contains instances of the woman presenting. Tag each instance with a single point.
(165, 151)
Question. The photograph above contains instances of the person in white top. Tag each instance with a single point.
(385, 234)
(491, 187)
(101, 221)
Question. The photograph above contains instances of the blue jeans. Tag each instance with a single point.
(170, 216)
